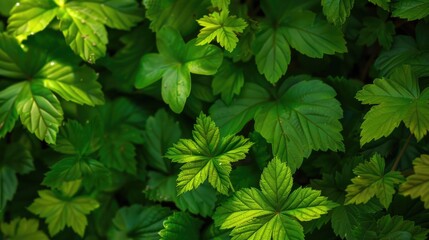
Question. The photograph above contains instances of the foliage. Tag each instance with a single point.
(214, 119)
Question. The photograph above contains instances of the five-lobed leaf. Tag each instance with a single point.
(207, 156)
(273, 211)
(60, 212)
(417, 184)
(223, 27)
(397, 99)
(372, 181)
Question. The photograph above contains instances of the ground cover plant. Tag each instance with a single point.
(221, 119)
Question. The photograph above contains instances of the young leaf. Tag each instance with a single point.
(207, 156)
(138, 222)
(221, 4)
(180, 224)
(377, 29)
(22, 229)
(174, 64)
(411, 9)
(337, 11)
(40, 111)
(372, 181)
(397, 99)
(417, 184)
(82, 22)
(160, 134)
(271, 213)
(60, 211)
(222, 27)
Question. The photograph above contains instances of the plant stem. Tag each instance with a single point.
(401, 153)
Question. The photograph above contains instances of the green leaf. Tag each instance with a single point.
(82, 22)
(18, 157)
(388, 227)
(221, 26)
(12, 58)
(60, 212)
(180, 224)
(68, 169)
(207, 156)
(160, 187)
(76, 84)
(228, 81)
(22, 229)
(273, 212)
(305, 118)
(6, 6)
(8, 112)
(272, 51)
(8, 185)
(221, 4)
(29, 17)
(200, 201)
(77, 139)
(160, 133)
(376, 29)
(397, 99)
(411, 9)
(417, 184)
(138, 223)
(174, 64)
(175, 14)
(406, 50)
(40, 111)
(382, 3)
(313, 37)
(232, 118)
(372, 181)
(337, 11)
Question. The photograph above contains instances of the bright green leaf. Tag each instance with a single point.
(29, 17)
(207, 156)
(337, 11)
(138, 223)
(222, 27)
(417, 184)
(180, 224)
(8, 112)
(411, 9)
(273, 212)
(60, 212)
(40, 111)
(397, 99)
(76, 84)
(22, 229)
(221, 4)
(372, 181)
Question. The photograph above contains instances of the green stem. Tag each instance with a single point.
(401, 153)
